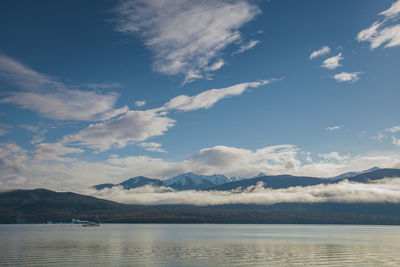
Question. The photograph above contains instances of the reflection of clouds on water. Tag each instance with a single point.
(199, 245)
(384, 190)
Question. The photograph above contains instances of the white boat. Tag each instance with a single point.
(92, 224)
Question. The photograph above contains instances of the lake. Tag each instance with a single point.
(199, 245)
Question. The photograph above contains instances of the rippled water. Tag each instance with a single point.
(199, 245)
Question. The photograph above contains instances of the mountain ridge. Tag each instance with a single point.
(191, 181)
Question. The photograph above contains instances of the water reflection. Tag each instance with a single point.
(199, 245)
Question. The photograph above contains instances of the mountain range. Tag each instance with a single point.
(185, 181)
(41, 205)
(191, 181)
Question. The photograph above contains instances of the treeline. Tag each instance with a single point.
(41, 206)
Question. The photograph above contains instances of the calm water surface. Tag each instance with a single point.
(199, 245)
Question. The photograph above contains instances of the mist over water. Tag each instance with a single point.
(199, 245)
(380, 191)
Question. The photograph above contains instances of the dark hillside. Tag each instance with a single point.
(40, 206)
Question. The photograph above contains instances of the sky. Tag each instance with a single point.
(100, 91)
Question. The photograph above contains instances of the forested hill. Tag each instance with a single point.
(41, 205)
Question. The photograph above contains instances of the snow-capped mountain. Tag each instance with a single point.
(190, 180)
(185, 181)
(352, 174)
(261, 174)
(135, 182)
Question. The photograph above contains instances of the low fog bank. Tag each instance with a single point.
(381, 191)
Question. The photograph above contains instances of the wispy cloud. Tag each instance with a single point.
(347, 76)
(333, 156)
(39, 131)
(208, 98)
(395, 141)
(383, 31)
(393, 11)
(333, 128)
(104, 85)
(247, 46)
(323, 51)
(137, 126)
(140, 104)
(332, 62)
(16, 73)
(393, 129)
(53, 99)
(378, 137)
(186, 37)
(54, 152)
(62, 171)
(152, 146)
(68, 104)
(385, 190)
(133, 126)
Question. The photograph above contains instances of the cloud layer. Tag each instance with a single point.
(385, 190)
(55, 165)
(186, 37)
(53, 99)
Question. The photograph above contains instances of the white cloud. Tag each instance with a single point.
(395, 141)
(53, 99)
(137, 126)
(246, 163)
(378, 137)
(54, 152)
(208, 98)
(185, 35)
(217, 65)
(105, 85)
(393, 129)
(323, 51)
(12, 164)
(347, 76)
(332, 62)
(14, 72)
(388, 35)
(386, 191)
(247, 46)
(68, 104)
(383, 31)
(393, 11)
(19, 169)
(39, 131)
(333, 156)
(333, 128)
(140, 104)
(133, 126)
(152, 146)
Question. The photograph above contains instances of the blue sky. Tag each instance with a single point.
(105, 90)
